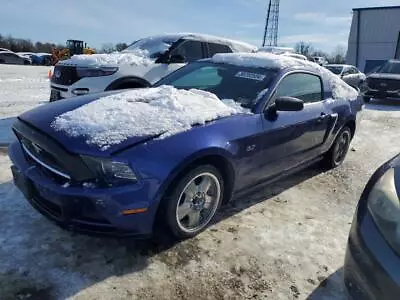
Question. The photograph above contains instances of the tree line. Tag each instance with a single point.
(338, 56)
(26, 45)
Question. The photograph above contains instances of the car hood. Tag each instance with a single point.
(384, 76)
(42, 117)
(132, 58)
(105, 123)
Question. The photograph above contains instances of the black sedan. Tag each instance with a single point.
(372, 263)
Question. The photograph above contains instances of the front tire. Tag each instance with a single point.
(192, 203)
(367, 99)
(336, 155)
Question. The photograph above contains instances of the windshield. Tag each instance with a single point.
(390, 67)
(241, 84)
(153, 46)
(335, 69)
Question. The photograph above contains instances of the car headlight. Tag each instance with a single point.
(384, 206)
(95, 72)
(109, 172)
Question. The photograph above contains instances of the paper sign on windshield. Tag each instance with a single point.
(249, 75)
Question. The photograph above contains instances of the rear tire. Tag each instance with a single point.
(336, 155)
(192, 203)
(367, 99)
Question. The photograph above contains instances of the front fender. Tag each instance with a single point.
(190, 161)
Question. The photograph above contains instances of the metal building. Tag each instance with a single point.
(374, 36)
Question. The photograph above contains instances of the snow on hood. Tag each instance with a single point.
(340, 89)
(134, 58)
(162, 110)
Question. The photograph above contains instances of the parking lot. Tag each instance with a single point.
(283, 241)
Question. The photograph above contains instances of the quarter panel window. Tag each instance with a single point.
(218, 48)
(306, 87)
(190, 50)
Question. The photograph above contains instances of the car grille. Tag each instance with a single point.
(383, 84)
(43, 158)
(65, 75)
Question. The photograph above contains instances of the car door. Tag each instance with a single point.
(8, 59)
(292, 138)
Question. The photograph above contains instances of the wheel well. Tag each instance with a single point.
(352, 125)
(219, 162)
(128, 85)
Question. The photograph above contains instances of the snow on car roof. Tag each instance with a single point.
(162, 110)
(235, 44)
(340, 89)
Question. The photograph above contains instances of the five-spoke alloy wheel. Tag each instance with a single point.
(194, 201)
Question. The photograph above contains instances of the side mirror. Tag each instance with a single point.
(288, 104)
(177, 59)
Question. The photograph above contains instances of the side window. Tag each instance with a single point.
(306, 87)
(190, 50)
(346, 71)
(354, 70)
(214, 48)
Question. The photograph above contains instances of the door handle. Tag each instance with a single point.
(322, 117)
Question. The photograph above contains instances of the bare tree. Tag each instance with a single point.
(338, 55)
(303, 48)
(107, 48)
(121, 46)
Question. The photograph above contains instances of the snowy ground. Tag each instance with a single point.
(21, 88)
(285, 241)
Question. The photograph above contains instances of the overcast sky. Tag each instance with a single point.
(323, 23)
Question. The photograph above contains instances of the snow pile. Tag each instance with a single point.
(340, 89)
(135, 58)
(163, 110)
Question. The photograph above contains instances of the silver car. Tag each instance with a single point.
(349, 74)
(8, 57)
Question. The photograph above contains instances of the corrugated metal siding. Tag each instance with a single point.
(379, 31)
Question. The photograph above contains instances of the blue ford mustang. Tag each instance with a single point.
(296, 119)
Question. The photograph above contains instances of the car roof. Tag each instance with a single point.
(235, 44)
